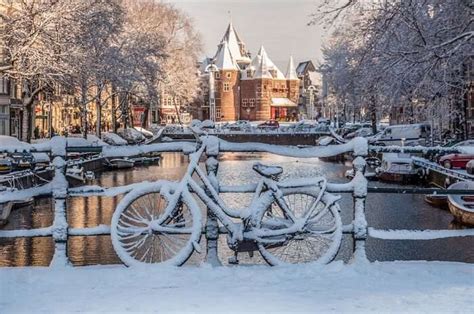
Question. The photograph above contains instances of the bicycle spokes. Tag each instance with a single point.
(147, 241)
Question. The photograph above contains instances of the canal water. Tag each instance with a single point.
(384, 211)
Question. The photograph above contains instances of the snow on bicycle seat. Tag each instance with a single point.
(267, 171)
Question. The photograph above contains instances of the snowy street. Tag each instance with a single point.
(408, 287)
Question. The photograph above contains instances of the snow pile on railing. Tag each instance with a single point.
(358, 145)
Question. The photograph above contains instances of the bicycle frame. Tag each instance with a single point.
(267, 190)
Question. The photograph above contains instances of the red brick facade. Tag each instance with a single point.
(254, 89)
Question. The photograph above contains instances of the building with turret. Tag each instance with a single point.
(250, 88)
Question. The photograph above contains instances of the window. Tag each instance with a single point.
(252, 102)
(4, 86)
(229, 75)
(249, 73)
(226, 87)
(245, 103)
(218, 75)
(218, 113)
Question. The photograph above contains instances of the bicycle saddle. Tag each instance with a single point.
(267, 171)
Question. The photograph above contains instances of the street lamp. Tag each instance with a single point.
(311, 90)
(211, 69)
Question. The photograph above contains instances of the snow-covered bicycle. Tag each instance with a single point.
(295, 221)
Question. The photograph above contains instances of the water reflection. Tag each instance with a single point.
(383, 211)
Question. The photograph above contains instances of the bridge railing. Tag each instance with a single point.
(358, 227)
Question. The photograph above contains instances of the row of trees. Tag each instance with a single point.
(134, 48)
(413, 56)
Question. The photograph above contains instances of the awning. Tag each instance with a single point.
(282, 102)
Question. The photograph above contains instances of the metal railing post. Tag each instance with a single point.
(359, 196)
(60, 226)
(212, 226)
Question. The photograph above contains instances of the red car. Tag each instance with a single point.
(270, 124)
(455, 160)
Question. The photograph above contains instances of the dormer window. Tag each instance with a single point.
(229, 75)
(218, 75)
(249, 73)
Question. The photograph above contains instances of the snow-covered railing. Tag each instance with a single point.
(58, 188)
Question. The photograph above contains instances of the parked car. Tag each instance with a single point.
(362, 132)
(300, 127)
(409, 134)
(455, 160)
(352, 127)
(240, 125)
(269, 124)
(437, 156)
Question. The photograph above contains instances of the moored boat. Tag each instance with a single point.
(397, 167)
(440, 201)
(120, 163)
(5, 210)
(462, 206)
(75, 175)
(6, 165)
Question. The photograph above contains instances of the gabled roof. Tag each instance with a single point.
(290, 70)
(304, 66)
(223, 59)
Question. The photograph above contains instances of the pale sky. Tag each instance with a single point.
(279, 25)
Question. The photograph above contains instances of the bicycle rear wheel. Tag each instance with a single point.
(318, 242)
(144, 233)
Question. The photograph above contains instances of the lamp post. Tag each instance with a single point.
(211, 68)
(311, 90)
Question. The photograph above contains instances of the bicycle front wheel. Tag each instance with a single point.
(320, 239)
(145, 230)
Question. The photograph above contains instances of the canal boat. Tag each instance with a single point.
(75, 175)
(145, 160)
(439, 201)
(462, 206)
(120, 163)
(397, 167)
(6, 165)
(5, 210)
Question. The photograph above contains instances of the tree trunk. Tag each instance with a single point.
(99, 114)
(84, 110)
(113, 111)
(373, 114)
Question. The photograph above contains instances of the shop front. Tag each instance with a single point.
(283, 109)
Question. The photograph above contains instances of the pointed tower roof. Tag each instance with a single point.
(236, 45)
(262, 68)
(223, 59)
(291, 70)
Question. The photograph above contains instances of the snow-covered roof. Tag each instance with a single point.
(283, 102)
(290, 70)
(236, 45)
(224, 60)
(263, 67)
(11, 144)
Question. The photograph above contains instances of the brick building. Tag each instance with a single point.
(251, 89)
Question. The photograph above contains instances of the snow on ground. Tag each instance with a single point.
(399, 287)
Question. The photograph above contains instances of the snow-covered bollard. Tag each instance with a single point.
(360, 223)
(212, 226)
(60, 225)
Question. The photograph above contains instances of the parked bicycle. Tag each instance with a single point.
(294, 221)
